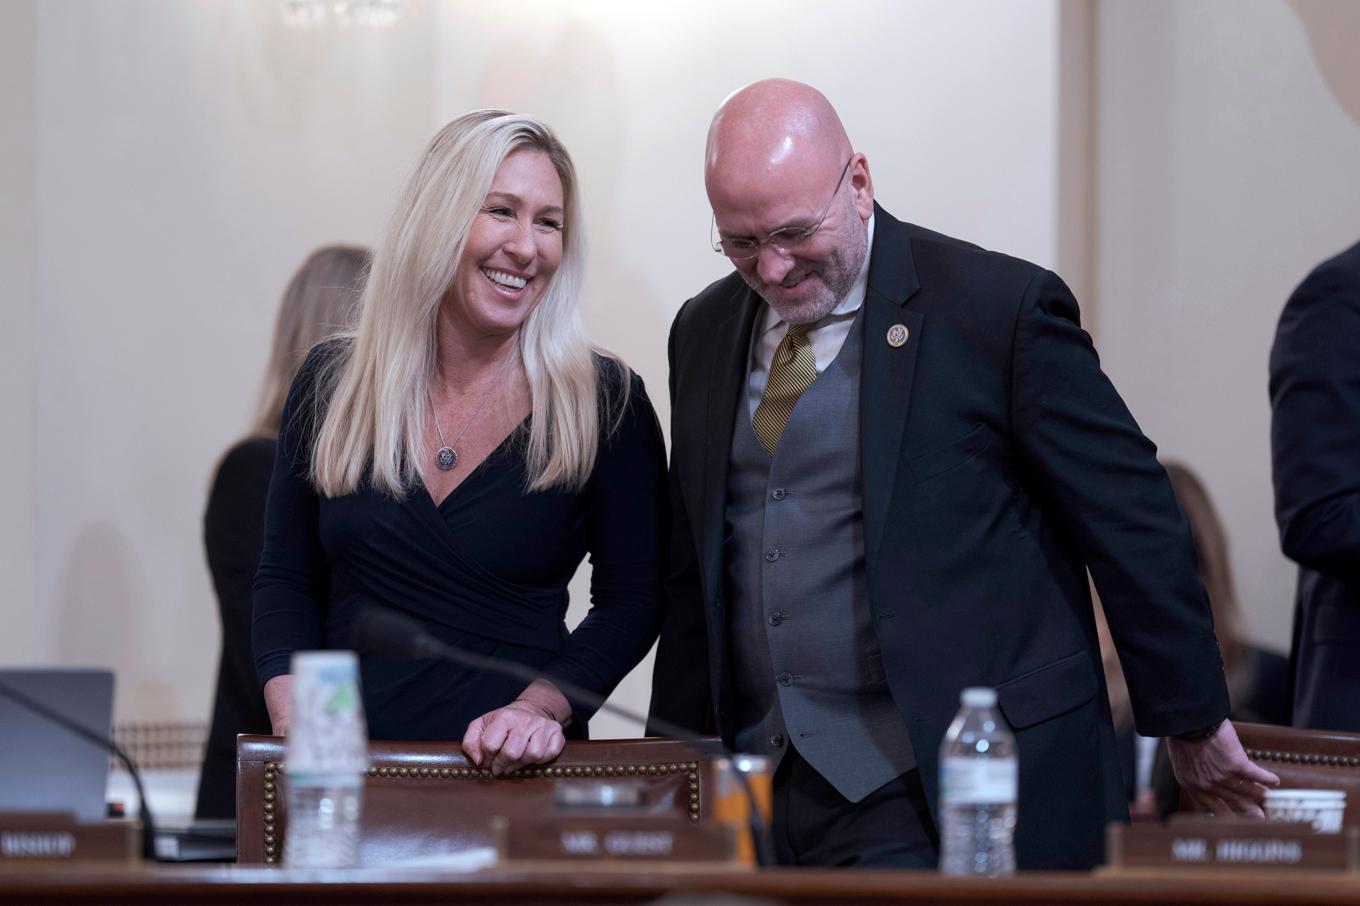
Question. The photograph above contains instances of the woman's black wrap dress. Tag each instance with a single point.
(487, 569)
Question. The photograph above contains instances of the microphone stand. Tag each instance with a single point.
(425, 645)
(143, 807)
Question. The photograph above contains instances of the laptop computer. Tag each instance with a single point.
(44, 767)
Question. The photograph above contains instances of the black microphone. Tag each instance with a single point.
(384, 632)
(143, 807)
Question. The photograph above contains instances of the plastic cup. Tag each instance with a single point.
(733, 808)
(1323, 809)
(326, 732)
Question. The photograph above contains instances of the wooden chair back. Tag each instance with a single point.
(424, 800)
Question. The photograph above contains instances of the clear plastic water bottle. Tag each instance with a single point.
(979, 779)
(325, 762)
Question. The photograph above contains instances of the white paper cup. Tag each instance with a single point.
(1323, 809)
(326, 730)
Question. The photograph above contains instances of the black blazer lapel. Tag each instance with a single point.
(886, 370)
(730, 349)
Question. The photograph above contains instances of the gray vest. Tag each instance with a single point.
(806, 663)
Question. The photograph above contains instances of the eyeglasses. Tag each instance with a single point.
(785, 241)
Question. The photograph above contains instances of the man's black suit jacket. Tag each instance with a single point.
(998, 464)
(1315, 445)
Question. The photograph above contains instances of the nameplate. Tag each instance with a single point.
(637, 838)
(46, 837)
(1231, 843)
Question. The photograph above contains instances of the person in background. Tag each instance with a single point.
(458, 454)
(320, 300)
(1257, 677)
(1315, 454)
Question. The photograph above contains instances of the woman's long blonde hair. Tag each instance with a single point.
(375, 392)
(320, 301)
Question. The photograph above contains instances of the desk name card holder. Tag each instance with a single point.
(596, 838)
(1230, 843)
(48, 836)
(616, 820)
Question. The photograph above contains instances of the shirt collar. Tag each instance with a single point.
(853, 300)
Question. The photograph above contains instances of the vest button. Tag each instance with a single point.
(777, 493)
(777, 740)
(773, 555)
(786, 679)
(776, 618)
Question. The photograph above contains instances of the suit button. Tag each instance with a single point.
(776, 618)
(777, 740)
(786, 679)
(773, 555)
(777, 493)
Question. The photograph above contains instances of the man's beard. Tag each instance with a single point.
(837, 272)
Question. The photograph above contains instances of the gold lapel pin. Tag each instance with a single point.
(897, 336)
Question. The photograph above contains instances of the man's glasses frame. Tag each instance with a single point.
(783, 240)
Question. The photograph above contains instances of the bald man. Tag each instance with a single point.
(894, 458)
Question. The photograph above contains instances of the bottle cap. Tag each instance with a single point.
(978, 697)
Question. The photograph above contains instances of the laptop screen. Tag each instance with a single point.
(44, 767)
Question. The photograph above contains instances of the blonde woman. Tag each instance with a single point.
(460, 453)
(319, 301)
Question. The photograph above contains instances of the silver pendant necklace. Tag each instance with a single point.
(447, 457)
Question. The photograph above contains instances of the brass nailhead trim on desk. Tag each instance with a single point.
(690, 769)
(1339, 761)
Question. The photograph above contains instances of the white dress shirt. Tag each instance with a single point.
(826, 336)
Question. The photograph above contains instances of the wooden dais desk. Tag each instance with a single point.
(685, 883)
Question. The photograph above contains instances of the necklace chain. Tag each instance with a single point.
(447, 456)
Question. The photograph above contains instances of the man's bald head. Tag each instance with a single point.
(774, 153)
(774, 131)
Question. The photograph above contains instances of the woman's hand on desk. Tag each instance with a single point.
(278, 699)
(526, 731)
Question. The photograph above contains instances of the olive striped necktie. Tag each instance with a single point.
(793, 370)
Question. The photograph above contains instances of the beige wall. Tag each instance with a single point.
(1228, 165)
(166, 164)
(188, 154)
(17, 360)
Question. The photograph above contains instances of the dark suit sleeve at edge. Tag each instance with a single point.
(1315, 423)
(680, 676)
(1100, 474)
